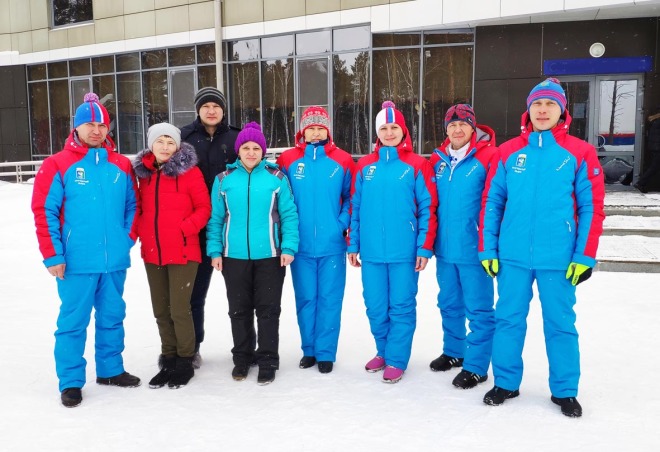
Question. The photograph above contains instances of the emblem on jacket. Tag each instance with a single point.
(80, 177)
(300, 171)
(441, 169)
(371, 172)
(521, 161)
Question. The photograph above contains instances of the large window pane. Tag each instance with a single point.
(396, 78)
(67, 12)
(447, 81)
(79, 67)
(104, 86)
(244, 89)
(448, 38)
(59, 69)
(351, 102)
(351, 38)
(206, 53)
(129, 106)
(279, 125)
(396, 40)
(154, 59)
(278, 46)
(128, 62)
(60, 117)
(243, 50)
(154, 86)
(315, 42)
(103, 64)
(37, 72)
(206, 76)
(313, 82)
(183, 95)
(39, 118)
(181, 56)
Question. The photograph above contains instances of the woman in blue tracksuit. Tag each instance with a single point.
(320, 175)
(251, 237)
(393, 227)
(461, 165)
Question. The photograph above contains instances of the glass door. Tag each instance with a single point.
(313, 84)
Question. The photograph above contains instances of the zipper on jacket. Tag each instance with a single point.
(156, 220)
(247, 228)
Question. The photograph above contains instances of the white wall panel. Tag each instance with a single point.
(525, 7)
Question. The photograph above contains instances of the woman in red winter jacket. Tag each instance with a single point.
(175, 206)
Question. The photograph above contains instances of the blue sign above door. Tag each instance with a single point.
(590, 66)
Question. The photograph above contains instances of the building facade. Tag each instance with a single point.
(146, 59)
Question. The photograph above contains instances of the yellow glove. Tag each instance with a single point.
(492, 266)
(578, 272)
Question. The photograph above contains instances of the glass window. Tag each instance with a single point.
(315, 42)
(78, 89)
(104, 86)
(154, 87)
(313, 82)
(447, 81)
(206, 76)
(60, 116)
(206, 54)
(181, 56)
(351, 125)
(396, 78)
(244, 91)
(154, 59)
(128, 62)
(278, 46)
(39, 118)
(242, 50)
(67, 12)
(129, 109)
(59, 69)
(396, 40)
(103, 65)
(577, 94)
(79, 67)
(182, 90)
(351, 38)
(458, 37)
(37, 72)
(278, 115)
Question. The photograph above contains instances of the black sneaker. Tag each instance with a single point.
(266, 375)
(71, 397)
(325, 367)
(569, 406)
(123, 380)
(306, 362)
(444, 362)
(497, 396)
(466, 379)
(240, 372)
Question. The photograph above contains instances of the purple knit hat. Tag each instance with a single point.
(461, 112)
(251, 132)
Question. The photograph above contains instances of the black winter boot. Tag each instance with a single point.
(445, 362)
(182, 374)
(167, 366)
(569, 406)
(123, 380)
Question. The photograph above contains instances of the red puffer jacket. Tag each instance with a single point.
(175, 207)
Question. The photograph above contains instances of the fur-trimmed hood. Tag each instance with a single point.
(181, 162)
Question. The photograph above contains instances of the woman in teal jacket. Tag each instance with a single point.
(251, 237)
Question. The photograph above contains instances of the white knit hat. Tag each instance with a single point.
(163, 128)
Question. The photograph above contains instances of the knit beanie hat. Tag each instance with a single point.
(548, 89)
(390, 115)
(210, 94)
(315, 116)
(160, 129)
(91, 110)
(461, 112)
(251, 132)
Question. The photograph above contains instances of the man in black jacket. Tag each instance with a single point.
(213, 139)
(649, 178)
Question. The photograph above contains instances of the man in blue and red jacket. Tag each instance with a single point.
(461, 165)
(320, 175)
(84, 203)
(541, 219)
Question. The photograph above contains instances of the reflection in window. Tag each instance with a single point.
(39, 118)
(79, 67)
(313, 82)
(314, 42)
(206, 76)
(60, 119)
(103, 65)
(351, 38)
(37, 72)
(67, 12)
(396, 78)
(448, 37)
(183, 95)
(104, 86)
(577, 94)
(154, 59)
(128, 62)
(243, 50)
(396, 40)
(278, 114)
(618, 111)
(181, 56)
(278, 46)
(447, 81)
(58, 69)
(205, 53)
(351, 102)
(244, 91)
(129, 107)
(154, 85)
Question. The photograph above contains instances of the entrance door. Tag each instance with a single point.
(607, 112)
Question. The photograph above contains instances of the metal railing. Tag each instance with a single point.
(22, 170)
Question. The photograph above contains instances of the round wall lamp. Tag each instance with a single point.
(597, 50)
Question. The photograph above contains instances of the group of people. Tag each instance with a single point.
(204, 197)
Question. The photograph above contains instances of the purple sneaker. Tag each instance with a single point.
(376, 364)
(392, 374)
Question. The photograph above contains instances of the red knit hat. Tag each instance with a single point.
(315, 116)
(389, 115)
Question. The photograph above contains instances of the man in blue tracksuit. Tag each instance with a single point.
(320, 175)
(461, 165)
(541, 221)
(393, 227)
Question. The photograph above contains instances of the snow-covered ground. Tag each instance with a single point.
(347, 410)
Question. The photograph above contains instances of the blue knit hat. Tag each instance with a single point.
(548, 89)
(251, 132)
(91, 110)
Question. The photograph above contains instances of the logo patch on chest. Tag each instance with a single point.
(521, 162)
(371, 172)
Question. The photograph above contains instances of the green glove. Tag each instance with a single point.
(492, 266)
(578, 272)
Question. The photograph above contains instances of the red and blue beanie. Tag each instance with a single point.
(315, 116)
(390, 115)
(548, 89)
(461, 112)
(251, 132)
(91, 110)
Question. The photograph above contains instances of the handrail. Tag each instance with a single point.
(20, 173)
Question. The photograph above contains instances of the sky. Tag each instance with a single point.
(349, 409)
